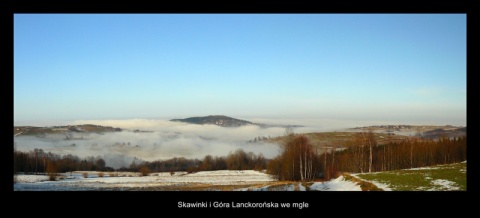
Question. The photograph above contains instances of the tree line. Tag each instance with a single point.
(411, 153)
(236, 160)
(38, 161)
(299, 160)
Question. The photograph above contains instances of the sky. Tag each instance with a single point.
(398, 68)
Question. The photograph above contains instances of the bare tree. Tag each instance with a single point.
(297, 161)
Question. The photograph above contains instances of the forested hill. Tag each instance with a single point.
(219, 120)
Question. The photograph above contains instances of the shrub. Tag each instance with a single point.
(172, 173)
(192, 170)
(144, 171)
(100, 174)
(52, 171)
(85, 175)
(112, 174)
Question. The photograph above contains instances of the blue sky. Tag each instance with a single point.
(386, 67)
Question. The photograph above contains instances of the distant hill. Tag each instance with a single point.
(219, 120)
(439, 132)
(423, 131)
(87, 128)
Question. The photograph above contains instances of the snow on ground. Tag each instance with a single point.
(75, 181)
(383, 186)
(226, 177)
(301, 187)
(445, 184)
(439, 184)
(338, 184)
(31, 178)
(424, 168)
(290, 187)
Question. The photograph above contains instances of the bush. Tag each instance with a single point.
(144, 171)
(192, 170)
(100, 174)
(52, 171)
(85, 175)
(112, 174)
(172, 173)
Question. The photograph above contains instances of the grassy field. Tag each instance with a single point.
(449, 177)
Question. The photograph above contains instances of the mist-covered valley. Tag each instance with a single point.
(151, 140)
(161, 139)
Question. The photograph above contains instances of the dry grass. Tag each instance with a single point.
(307, 185)
(366, 186)
(101, 174)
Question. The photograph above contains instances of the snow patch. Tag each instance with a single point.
(449, 185)
(31, 178)
(383, 186)
(338, 184)
(290, 187)
(423, 168)
(301, 187)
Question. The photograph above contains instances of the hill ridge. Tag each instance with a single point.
(219, 120)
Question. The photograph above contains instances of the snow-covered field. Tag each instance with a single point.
(208, 180)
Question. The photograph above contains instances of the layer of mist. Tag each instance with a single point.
(153, 140)
(162, 139)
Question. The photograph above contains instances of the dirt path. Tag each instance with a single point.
(364, 185)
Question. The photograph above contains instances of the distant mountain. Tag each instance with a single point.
(224, 121)
(219, 120)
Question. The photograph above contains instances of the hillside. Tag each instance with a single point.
(383, 134)
(448, 177)
(340, 139)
